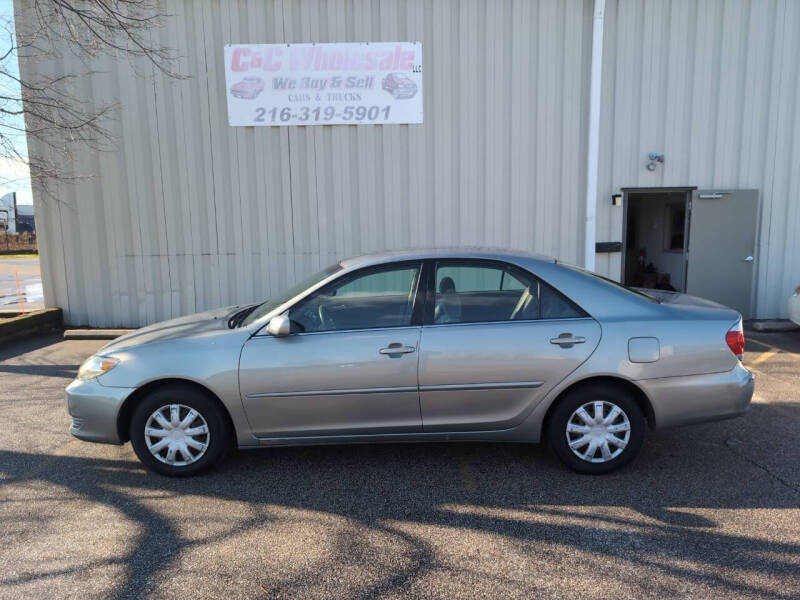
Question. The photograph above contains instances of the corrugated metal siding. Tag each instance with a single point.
(713, 85)
(192, 214)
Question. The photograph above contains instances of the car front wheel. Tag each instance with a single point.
(177, 431)
(596, 429)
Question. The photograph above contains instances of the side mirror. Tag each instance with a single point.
(279, 326)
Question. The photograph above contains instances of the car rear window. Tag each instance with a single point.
(613, 283)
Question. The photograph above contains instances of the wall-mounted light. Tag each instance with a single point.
(654, 159)
(616, 200)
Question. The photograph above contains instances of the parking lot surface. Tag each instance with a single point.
(709, 511)
(24, 269)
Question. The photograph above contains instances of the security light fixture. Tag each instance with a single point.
(654, 159)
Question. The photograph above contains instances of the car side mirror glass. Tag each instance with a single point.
(279, 326)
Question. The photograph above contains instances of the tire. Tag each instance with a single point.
(583, 435)
(171, 459)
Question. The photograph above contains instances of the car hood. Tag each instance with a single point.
(182, 327)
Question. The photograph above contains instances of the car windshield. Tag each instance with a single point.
(616, 284)
(273, 303)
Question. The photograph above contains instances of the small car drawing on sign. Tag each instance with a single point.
(248, 88)
(399, 86)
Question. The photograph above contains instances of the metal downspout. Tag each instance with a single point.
(593, 152)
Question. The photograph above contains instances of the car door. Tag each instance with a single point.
(349, 366)
(494, 342)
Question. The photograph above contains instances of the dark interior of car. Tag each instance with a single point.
(504, 305)
(328, 313)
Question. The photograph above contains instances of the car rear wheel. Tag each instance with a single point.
(596, 429)
(177, 431)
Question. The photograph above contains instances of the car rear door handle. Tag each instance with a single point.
(566, 340)
(397, 349)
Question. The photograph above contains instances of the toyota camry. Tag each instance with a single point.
(420, 346)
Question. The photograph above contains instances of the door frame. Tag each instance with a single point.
(626, 191)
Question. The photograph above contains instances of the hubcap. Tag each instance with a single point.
(177, 435)
(598, 431)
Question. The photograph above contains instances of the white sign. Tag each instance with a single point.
(324, 84)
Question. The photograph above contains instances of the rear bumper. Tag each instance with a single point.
(94, 409)
(699, 398)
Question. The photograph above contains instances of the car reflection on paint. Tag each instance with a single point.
(248, 88)
(400, 86)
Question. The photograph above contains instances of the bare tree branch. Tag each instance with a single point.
(47, 106)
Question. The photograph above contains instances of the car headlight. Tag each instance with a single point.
(95, 366)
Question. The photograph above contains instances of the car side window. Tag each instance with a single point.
(555, 305)
(478, 293)
(372, 299)
(467, 293)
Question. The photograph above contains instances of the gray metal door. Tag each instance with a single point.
(721, 252)
(483, 376)
(332, 383)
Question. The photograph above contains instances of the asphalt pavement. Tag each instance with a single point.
(25, 270)
(709, 511)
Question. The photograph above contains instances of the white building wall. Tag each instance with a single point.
(714, 85)
(191, 213)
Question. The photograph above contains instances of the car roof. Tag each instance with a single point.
(444, 253)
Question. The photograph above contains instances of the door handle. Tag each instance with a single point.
(397, 348)
(567, 340)
(748, 259)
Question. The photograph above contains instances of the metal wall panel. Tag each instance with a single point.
(715, 86)
(190, 214)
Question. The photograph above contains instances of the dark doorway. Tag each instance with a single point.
(656, 234)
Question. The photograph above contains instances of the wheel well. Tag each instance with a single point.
(127, 408)
(635, 391)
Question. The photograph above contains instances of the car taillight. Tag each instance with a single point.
(735, 340)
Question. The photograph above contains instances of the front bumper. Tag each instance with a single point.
(404, 92)
(94, 409)
(699, 398)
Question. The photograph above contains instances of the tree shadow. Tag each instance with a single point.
(508, 490)
(65, 371)
(19, 347)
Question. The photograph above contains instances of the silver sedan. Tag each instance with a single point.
(420, 346)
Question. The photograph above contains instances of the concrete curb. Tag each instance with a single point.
(30, 324)
(94, 334)
(773, 326)
(14, 252)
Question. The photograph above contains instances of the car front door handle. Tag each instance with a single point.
(397, 349)
(567, 340)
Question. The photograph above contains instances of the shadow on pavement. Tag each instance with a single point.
(518, 492)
